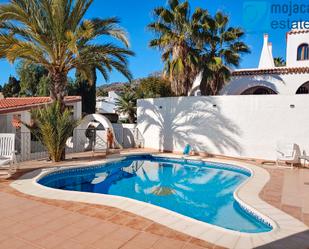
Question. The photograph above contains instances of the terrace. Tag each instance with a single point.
(32, 222)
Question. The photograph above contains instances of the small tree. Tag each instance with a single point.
(12, 88)
(279, 62)
(154, 87)
(53, 127)
(30, 76)
(87, 90)
(44, 86)
(126, 104)
(101, 92)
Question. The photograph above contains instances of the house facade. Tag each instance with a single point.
(107, 105)
(15, 111)
(267, 78)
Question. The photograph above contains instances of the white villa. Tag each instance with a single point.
(107, 105)
(267, 79)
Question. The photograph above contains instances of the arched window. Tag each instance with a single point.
(303, 89)
(303, 52)
(258, 90)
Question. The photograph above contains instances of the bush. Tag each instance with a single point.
(154, 87)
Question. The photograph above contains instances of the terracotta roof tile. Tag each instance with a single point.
(294, 32)
(14, 104)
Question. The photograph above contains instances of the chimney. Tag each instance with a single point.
(266, 59)
(270, 49)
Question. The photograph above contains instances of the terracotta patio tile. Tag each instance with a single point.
(12, 243)
(274, 203)
(3, 236)
(192, 246)
(139, 223)
(178, 236)
(112, 209)
(5, 223)
(107, 243)
(55, 225)
(55, 213)
(292, 210)
(143, 240)
(130, 246)
(105, 228)
(70, 231)
(11, 212)
(123, 234)
(74, 206)
(120, 219)
(167, 243)
(62, 204)
(128, 214)
(70, 218)
(104, 214)
(87, 237)
(70, 244)
(34, 234)
(38, 220)
(21, 216)
(201, 243)
(219, 247)
(306, 218)
(40, 209)
(51, 241)
(17, 228)
(90, 211)
(158, 229)
(87, 223)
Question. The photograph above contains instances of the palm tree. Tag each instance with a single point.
(53, 127)
(126, 104)
(176, 32)
(220, 52)
(53, 34)
(279, 62)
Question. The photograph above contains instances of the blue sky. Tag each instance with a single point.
(136, 14)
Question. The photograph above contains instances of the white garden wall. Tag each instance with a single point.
(242, 126)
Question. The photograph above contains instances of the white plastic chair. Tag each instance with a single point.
(304, 157)
(7, 150)
(288, 153)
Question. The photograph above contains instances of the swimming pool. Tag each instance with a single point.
(200, 190)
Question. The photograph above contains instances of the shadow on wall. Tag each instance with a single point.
(181, 121)
(128, 138)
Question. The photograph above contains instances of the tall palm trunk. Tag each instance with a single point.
(131, 117)
(181, 82)
(58, 87)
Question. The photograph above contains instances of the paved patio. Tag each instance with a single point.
(31, 222)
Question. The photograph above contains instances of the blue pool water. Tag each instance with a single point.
(200, 190)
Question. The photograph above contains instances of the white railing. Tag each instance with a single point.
(28, 147)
